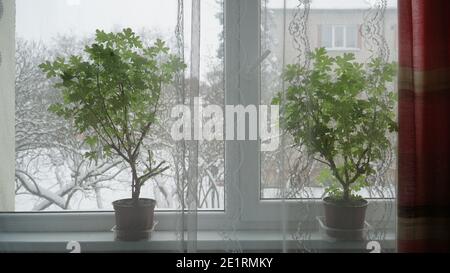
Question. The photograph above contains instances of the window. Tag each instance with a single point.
(339, 37)
(52, 173)
(239, 170)
(335, 26)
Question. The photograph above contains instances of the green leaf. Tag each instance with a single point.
(110, 91)
(91, 141)
(341, 111)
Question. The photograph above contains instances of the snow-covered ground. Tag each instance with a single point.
(54, 176)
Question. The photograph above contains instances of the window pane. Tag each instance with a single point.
(352, 37)
(52, 173)
(338, 36)
(289, 170)
(327, 36)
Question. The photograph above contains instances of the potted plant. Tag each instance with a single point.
(342, 112)
(111, 94)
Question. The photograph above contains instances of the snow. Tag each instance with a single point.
(45, 175)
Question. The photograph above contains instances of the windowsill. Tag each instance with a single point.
(166, 241)
(343, 49)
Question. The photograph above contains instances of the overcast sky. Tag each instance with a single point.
(332, 4)
(44, 19)
(41, 19)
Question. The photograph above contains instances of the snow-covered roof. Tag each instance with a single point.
(333, 4)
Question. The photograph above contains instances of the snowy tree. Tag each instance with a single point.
(51, 170)
(43, 141)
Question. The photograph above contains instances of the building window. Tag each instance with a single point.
(339, 37)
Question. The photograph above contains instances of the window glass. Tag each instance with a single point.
(352, 37)
(327, 36)
(288, 171)
(339, 37)
(52, 173)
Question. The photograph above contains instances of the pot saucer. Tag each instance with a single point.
(343, 234)
(142, 233)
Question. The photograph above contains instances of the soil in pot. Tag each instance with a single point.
(134, 221)
(345, 216)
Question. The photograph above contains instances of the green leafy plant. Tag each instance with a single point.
(342, 112)
(111, 93)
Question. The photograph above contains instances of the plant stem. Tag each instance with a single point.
(135, 185)
(346, 193)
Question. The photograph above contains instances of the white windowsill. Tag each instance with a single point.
(166, 241)
(334, 49)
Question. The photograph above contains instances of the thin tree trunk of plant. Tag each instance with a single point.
(346, 193)
(135, 183)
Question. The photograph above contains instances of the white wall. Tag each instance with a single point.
(7, 106)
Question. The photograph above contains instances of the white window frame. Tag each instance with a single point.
(333, 38)
(242, 158)
(262, 213)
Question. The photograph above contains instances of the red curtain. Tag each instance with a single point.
(424, 126)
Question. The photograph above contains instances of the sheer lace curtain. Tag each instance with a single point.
(290, 31)
(286, 31)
